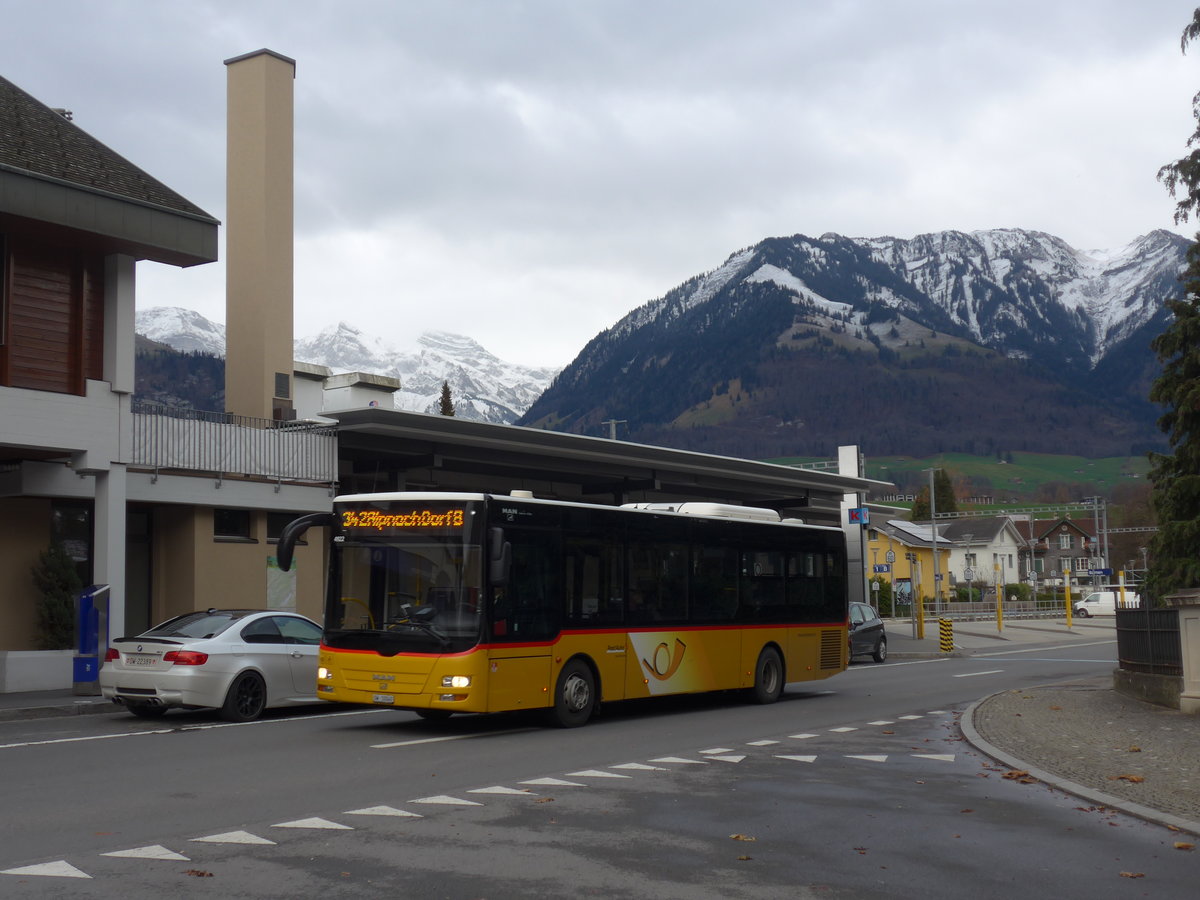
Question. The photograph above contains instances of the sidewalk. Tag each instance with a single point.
(1081, 737)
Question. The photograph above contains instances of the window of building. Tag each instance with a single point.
(71, 527)
(3, 289)
(1066, 541)
(232, 525)
(277, 521)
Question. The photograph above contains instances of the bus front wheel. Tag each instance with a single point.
(768, 676)
(574, 695)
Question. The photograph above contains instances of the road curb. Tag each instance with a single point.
(78, 708)
(966, 724)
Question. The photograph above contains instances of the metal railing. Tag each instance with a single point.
(169, 439)
(1148, 641)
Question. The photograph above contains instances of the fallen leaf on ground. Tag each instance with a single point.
(1132, 779)
(1135, 749)
(743, 837)
(862, 851)
(1184, 845)
(1016, 773)
(1133, 874)
(198, 873)
(744, 858)
(1056, 707)
(544, 800)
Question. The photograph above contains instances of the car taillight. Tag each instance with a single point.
(111, 655)
(186, 657)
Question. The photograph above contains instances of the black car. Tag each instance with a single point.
(867, 636)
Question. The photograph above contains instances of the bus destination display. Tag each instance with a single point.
(396, 521)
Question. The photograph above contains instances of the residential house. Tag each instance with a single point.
(1062, 545)
(902, 554)
(986, 549)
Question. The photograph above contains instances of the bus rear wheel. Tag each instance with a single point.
(574, 695)
(768, 676)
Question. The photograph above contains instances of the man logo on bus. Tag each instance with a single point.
(665, 662)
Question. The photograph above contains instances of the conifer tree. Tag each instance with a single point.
(447, 403)
(1174, 561)
(58, 584)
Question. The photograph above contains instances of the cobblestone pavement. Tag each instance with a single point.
(1091, 741)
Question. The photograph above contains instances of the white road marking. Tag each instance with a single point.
(761, 743)
(868, 757)
(553, 782)
(314, 822)
(733, 759)
(449, 737)
(446, 800)
(596, 773)
(938, 712)
(680, 759)
(155, 851)
(232, 837)
(843, 730)
(717, 750)
(501, 790)
(973, 674)
(58, 869)
(640, 767)
(382, 811)
(910, 718)
(806, 759)
(1058, 647)
(940, 757)
(802, 737)
(882, 722)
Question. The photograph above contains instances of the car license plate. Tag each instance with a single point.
(140, 659)
(383, 698)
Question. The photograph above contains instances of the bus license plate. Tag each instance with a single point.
(383, 698)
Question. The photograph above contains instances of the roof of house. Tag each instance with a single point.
(40, 141)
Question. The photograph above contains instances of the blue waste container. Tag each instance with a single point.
(91, 638)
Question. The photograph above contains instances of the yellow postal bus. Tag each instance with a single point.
(447, 603)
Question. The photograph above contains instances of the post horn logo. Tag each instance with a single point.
(665, 662)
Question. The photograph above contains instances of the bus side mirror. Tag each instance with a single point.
(499, 557)
(286, 548)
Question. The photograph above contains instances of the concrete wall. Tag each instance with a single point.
(1161, 690)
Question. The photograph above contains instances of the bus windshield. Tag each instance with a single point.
(393, 596)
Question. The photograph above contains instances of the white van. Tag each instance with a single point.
(1104, 603)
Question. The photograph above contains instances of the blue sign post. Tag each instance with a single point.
(91, 634)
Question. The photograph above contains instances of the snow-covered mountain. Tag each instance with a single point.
(950, 340)
(483, 387)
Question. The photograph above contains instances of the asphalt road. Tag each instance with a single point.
(859, 786)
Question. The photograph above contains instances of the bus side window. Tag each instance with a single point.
(528, 608)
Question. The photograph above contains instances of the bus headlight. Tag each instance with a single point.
(323, 672)
(456, 681)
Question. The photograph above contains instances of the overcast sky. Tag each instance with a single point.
(526, 172)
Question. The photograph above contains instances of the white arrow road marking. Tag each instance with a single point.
(797, 758)
(500, 790)
(446, 800)
(717, 750)
(940, 757)
(156, 851)
(233, 837)
(680, 759)
(761, 743)
(735, 758)
(382, 811)
(596, 773)
(59, 869)
(640, 767)
(314, 822)
(868, 758)
(801, 737)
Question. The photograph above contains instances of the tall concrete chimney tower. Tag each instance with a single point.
(259, 235)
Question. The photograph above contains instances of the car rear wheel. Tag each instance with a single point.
(246, 700)
(145, 710)
(880, 653)
(768, 676)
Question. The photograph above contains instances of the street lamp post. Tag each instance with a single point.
(967, 572)
(937, 597)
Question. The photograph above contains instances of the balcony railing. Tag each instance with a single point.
(168, 439)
